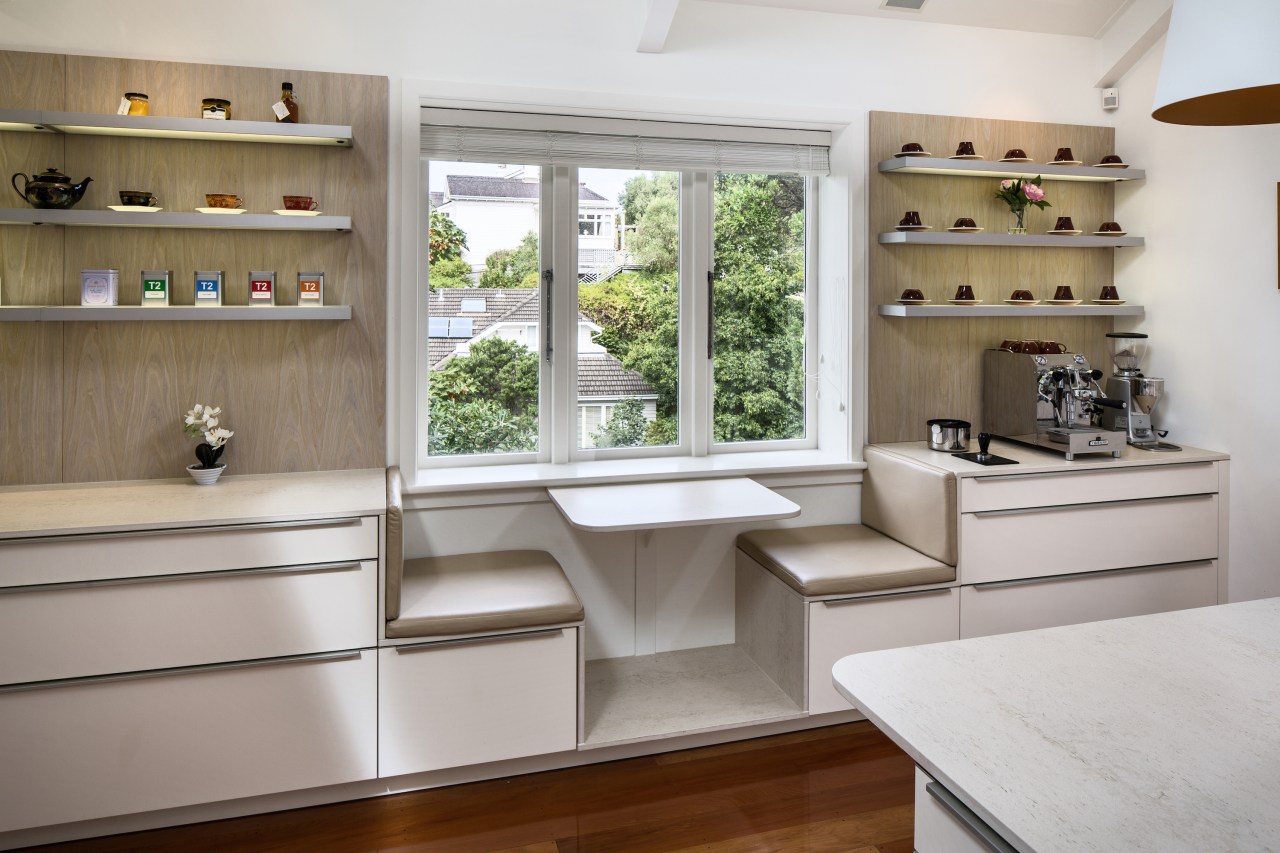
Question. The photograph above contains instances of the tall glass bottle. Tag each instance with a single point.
(290, 102)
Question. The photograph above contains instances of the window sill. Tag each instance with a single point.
(542, 475)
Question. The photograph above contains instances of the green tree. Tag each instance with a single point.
(516, 267)
(651, 203)
(447, 239)
(626, 425)
(452, 273)
(484, 402)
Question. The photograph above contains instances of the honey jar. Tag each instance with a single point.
(139, 104)
(215, 108)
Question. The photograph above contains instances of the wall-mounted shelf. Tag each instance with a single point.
(943, 238)
(164, 219)
(996, 169)
(165, 127)
(1011, 311)
(117, 313)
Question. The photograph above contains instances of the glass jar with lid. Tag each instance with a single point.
(139, 104)
(215, 108)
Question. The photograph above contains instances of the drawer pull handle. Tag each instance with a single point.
(312, 569)
(983, 834)
(212, 528)
(323, 657)
(911, 593)
(475, 641)
(1031, 510)
(1072, 575)
(991, 478)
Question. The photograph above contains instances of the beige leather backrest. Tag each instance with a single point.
(911, 502)
(395, 541)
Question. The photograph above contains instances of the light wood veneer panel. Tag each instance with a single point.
(923, 368)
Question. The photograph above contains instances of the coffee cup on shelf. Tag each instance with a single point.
(911, 148)
(1109, 291)
(1111, 158)
(1015, 154)
(1110, 226)
(912, 293)
(1064, 224)
(137, 198)
(965, 292)
(911, 218)
(300, 202)
(1063, 155)
(1063, 291)
(965, 222)
(223, 200)
(964, 149)
(1022, 296)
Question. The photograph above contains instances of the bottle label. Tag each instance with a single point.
(281, 111)
(123, 109)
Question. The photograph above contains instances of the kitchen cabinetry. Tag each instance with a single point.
(169, 645)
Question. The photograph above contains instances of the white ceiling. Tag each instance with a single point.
(1065, 17)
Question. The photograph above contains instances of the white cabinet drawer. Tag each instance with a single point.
(1011, 491)
(99, 627)
(111, 746)
(64, 559)
(1048, 602)
(943, 824)
(1006, 545)
(463, 702)
(844, 627)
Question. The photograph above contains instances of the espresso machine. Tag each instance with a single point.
(1048, 400)
(1140, 393)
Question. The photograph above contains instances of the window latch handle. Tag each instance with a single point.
(711, 314)
(547, 279)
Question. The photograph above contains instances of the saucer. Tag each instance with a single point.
(1111, 165)
(220, 210)
(133, 208)
(1022, 301)
(913, 301)
(913, 227)
(1064, 301)
(965, 301)
(966, 157)
(974, 230)
(1108, 302)
(1109, 233)
(297, 212)
(1073, 232)
(1016, 160)
(1066, 163)
(913, 154)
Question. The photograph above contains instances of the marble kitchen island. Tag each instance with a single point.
(1150, 733)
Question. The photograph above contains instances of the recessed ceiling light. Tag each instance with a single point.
(914, 5)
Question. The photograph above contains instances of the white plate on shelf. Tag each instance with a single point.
(973, 230)
(966, 157)
(912, 227)
(1073, 232)
(1022, 301)
(133, 208)
(913, 301)
(1108, 302)
(297, 212)
(965, 301)
(1066, 163)
(222, 210)
(913, 154)
(1064, 301)
(1111, 165)
(1016, 160)
(1109, 233)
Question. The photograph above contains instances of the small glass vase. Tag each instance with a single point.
(1019, 220)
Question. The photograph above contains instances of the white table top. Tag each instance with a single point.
(1153, 733)
(641, 506)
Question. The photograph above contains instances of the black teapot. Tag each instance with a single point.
(49, 189)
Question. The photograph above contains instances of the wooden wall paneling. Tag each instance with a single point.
(925, 368)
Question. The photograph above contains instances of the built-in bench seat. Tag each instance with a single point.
(807, 596)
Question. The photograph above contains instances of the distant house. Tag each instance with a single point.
(460, 316)
(497, 212)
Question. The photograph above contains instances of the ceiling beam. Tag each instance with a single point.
(1129, 37)
(657, 25)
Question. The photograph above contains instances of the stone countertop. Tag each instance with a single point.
(80, 508)
(1031, 461)
(1151, 733)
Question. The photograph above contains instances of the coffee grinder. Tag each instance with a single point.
(1141, 393)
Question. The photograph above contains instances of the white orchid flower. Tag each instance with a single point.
(217, 437)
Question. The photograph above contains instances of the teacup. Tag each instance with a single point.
(1110, 226)
(300, 202)
(1111, 158)
(225, 200)
(912, 217)
(1109, 292)
(1051, 347)
(1064, 224)
(965, 292)
(965, 222)
(1063, 291)
(912, 293)
(1015, 154)
(964, 149)
(138, 198)
(911, 148)
(1022, 296)
(1064, 154)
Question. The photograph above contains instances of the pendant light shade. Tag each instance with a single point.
(1221, 64)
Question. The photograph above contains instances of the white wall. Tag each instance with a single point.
(1209, 281)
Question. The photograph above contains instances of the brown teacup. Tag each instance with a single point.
(300, 202)
(965, 292)
(1015, 154)
(1110, 226)
(912, 217)
(964, 149)
(1064, 224)
(1063, 291)
(1022, 296)
(1109, 292)
(911, 148)
(223, 200)
(1051, 347)
(912, 293)
(1064, 154)
(965, 222)
(1111, 158)
(137, 198)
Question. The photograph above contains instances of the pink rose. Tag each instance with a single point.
(1007, 185)
(1032, 192)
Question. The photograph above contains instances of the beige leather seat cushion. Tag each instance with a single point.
(839, 559)
(480, 593)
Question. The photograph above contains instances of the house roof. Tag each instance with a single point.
(482, 186)
(603, 375)
(436, 198)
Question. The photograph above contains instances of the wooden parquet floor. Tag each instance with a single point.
(843, 788)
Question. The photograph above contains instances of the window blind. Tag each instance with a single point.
(476, 136)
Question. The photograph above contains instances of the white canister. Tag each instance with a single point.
(100, 287)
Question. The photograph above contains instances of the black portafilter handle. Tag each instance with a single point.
(1108, 402)
(984, 443)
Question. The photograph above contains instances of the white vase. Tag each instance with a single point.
(206, 476)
